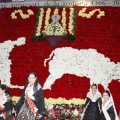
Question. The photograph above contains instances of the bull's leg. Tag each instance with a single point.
(50, 80)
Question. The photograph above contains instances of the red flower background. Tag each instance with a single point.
(101, 34)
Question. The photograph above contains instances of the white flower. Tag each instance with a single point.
(49, 107)
(68, 110)
(75, 112)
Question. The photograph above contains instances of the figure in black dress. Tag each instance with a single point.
(5, 103)
(108, 109)
(31, 105)
(93, 103)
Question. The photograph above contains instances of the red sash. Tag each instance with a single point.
(32, 105)
(4, 114)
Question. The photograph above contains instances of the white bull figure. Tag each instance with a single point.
(84, 62)
(5, 49)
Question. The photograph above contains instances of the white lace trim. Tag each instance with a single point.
(3, 100)
(30, 92)
(95, 97)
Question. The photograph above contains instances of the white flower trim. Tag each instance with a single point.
(84, 62)
(5, 62)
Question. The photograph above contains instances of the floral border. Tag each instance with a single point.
(59, 100)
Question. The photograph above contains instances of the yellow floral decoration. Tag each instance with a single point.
(60, 100)
(47, 17)
(63, 21)
(70, 25)
(91, 13)
(38, 31)
(23, 16)
(56, 11)
(54, 29)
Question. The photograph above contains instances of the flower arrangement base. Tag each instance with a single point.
(54, 40)
(63, 111)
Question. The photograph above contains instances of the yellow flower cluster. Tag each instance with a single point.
(58, 100)
(47, 17)
(54, 29)
(56, 11)
(91, 13)
(24, 16)
(38, 31)
(63, 21)
(70, 25)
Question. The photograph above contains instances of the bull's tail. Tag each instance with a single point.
(50, 56)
